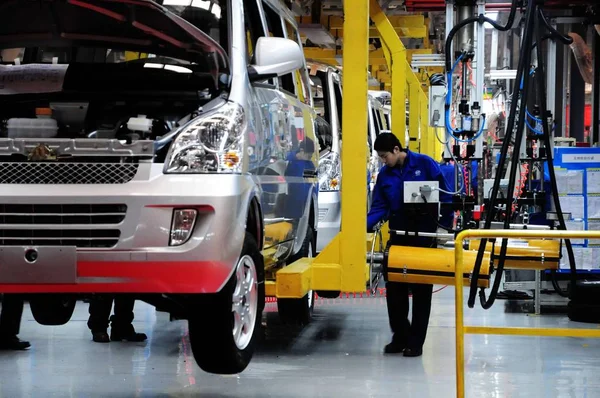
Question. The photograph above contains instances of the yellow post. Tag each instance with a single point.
(458, 304)
(395, 54)
(459, 289)
(352, 251)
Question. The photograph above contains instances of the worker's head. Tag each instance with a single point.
(306, 149)
(389, 149)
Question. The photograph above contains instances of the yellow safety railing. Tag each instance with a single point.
(461, 329)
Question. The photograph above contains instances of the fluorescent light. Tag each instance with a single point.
(204, 4)
(178, 69)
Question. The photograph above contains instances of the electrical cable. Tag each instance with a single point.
(481, 19)
(537, 119)
(459, 191)
(541, 85)
(555, 33)
(522, 65)
(449, 229)
(530, 127)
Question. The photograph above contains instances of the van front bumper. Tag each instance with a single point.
(142, 260)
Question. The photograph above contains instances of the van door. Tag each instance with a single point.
(289, 104)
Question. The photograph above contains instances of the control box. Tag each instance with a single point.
(488, 184)
(437, 106)
(414, 191)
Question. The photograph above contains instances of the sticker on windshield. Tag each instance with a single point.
(32, 78)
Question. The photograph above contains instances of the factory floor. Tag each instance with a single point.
(338, 355)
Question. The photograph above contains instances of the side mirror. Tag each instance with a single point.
(275, 56)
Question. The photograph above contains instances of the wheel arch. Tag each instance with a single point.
(255, 221)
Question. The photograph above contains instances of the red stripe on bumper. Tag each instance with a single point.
(136, 277)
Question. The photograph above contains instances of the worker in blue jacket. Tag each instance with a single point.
(402, 165)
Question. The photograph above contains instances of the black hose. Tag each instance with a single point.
(556, 286)
(544, 38)
(515, 164)
(541, 85)
(481, 19)
(511, 19)
(555, 33)
(524, 57)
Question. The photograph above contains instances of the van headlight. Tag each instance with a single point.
(211, 143)
(329, 172)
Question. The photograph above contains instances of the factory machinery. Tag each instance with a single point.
(519, 196)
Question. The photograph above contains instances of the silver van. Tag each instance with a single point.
(327, 88)
(161, 148)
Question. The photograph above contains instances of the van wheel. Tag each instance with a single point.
(299, 311)
(223, 326)
(51, 309)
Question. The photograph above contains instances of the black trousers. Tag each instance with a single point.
(100, 307)
(410, 334)
(10, 317)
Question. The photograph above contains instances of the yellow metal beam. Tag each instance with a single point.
(546, 332)
(354, 209)
(407, 33)
(461, 329)
(395, 54)
(406, 21)
(341, 265)
(294, 280)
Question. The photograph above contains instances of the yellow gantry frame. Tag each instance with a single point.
(461, 329)
(341, 265)
(405, 86)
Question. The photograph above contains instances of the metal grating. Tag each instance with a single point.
(66, 214)
(66, 173)
(81, 238)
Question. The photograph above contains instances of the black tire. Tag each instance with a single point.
(51, 309)
(211, 320)
(299, 311)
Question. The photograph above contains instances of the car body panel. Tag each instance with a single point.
(273, 176)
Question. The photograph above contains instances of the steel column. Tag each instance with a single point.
(352, 252)
(395, 53)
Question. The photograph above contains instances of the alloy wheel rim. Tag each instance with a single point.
(244, 302)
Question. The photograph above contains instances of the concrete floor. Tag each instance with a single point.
(338, 355)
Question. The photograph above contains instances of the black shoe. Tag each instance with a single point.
(13, 343)
(413, 352)
(127, 334)
(394, 348)
(100, 337)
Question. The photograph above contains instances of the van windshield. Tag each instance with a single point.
(109, 31)
(210, 16)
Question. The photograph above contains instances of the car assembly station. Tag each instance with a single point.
(299, 198)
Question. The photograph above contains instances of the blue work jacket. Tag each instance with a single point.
(388, 194)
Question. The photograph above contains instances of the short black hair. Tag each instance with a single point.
(308, 146)
(386, 142)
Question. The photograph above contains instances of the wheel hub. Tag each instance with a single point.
(245, 302)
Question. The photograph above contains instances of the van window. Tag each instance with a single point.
(275, 26)
(300, 75)
(254, 28)
(376, 121)
(337, 89)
